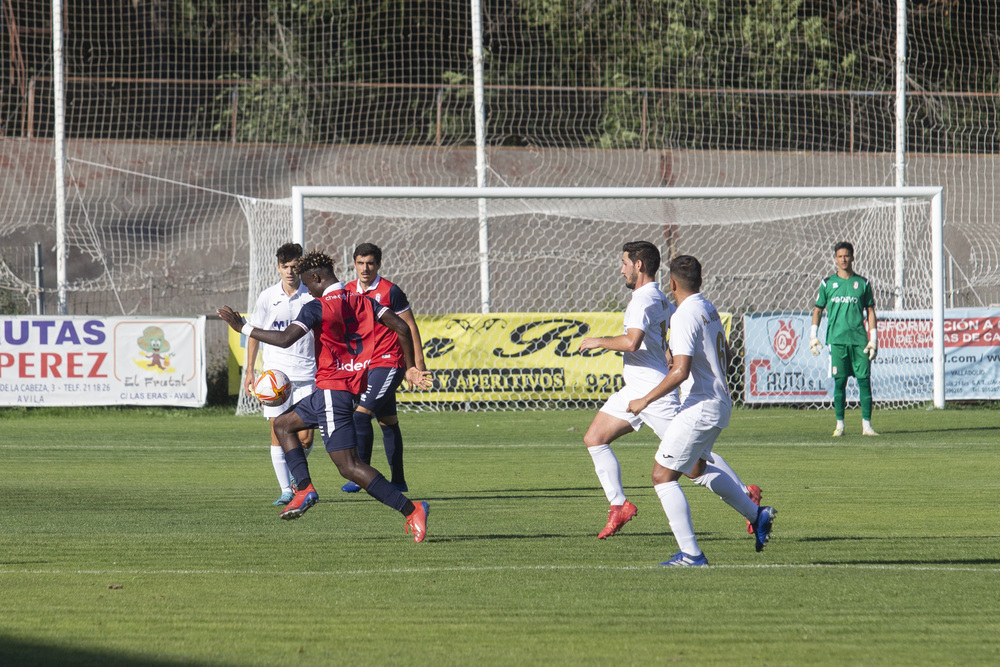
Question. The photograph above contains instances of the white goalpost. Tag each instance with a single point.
(552, 252)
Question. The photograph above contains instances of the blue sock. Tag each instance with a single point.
(365, 435)
(392, 439)
(384, 492)
(295, 459)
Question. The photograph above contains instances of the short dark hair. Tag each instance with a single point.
(686, 270)
(288, 253)
(315, 260)
(842, 246)
(645, 252)
(369, 250)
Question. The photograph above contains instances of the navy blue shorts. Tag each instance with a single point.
(332, 412)
(380, 396)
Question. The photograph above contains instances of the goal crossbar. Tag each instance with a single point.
(933, 194)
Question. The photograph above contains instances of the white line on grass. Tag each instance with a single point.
(510, 568)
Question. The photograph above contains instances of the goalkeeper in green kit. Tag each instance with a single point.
(849, 301)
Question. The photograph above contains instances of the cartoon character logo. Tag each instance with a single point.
(155, 351)
(785, 340)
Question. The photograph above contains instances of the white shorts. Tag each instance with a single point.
(300, 389)
(687, 440)
(657, 414)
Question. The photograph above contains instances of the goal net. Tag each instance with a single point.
(505, 282)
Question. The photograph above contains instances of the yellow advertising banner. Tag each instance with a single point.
(512, 356)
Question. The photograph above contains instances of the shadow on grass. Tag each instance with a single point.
(913, 561)
(22, 652)
(956, 429)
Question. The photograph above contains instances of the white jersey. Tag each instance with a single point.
(274, 311)
(649, 311)
(696, 331)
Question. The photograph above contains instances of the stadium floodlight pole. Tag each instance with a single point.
(932, 193)
(59, 150)
(900, 146)
(480, 120)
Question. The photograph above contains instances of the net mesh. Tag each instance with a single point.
(175, 111)
(562, 255)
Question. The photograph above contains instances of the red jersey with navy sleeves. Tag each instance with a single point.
(388, 353)
(344, 325)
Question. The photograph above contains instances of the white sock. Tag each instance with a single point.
(840, 423)
(678, 512)
(720, 463)
(726, 487)
(866, 424)
(608, 472)
(281, 469)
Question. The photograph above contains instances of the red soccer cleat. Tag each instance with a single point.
(416, 522)
(618, 516)
(754, 492)
(301, 501)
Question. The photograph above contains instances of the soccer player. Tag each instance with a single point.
(849, 302)
(645, 364)
(276, 307)
(385, 373)
(343, 324)
(700, 352)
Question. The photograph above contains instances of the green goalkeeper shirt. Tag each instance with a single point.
(845, 301)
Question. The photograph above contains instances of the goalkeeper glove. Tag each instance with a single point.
(814, 343)
(871, 349)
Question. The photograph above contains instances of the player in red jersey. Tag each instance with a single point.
(385, 373)
(344, 325)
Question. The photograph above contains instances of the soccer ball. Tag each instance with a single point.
(272, 388)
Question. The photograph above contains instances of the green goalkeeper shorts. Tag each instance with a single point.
(848, 360)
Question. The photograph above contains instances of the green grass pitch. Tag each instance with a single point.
(147, 537)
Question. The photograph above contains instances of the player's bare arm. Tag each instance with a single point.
(630, 341)
(284, 338)
(418, 345)
(871, 349)
(814, 345)
(679, 371)
(416, 377)
(252, 347)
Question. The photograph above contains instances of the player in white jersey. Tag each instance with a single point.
(276, 307)
(700, 352)
(644, 353)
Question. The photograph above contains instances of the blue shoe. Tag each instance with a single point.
(350, 487)
(762, 527)
(402, 488)
(291, 483)
(681, 559)
(285, 498)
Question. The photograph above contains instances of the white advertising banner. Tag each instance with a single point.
(80, 360)
(780, 369)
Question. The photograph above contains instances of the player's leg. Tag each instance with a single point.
(344, 455)
(840, 369)
(287, 428)
(678, 511)
(726, 485)
(299, 391)
(388, 420)
(280, 468)
(752, 491)
(392, 441)
(609, 424)
(862, 367)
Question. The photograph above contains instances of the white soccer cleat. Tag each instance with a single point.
(868, 430)
(838, 432)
